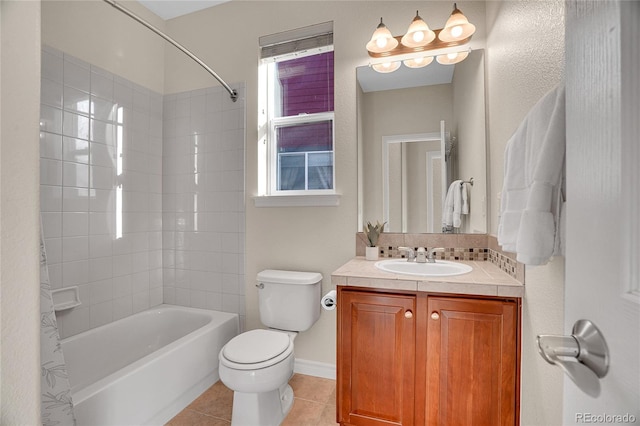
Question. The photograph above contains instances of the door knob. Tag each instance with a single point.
(583, 355)
(435, 316)
(408, 314)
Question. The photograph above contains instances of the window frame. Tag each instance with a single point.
(274, 154)
(267, 152)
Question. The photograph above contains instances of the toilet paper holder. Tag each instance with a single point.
(329, 301)
(585, 343)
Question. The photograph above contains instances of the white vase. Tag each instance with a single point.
(371, 253)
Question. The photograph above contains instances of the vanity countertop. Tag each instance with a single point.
(486, 279)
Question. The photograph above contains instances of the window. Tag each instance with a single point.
(296, 113)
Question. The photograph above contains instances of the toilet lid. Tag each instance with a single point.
(256, 346)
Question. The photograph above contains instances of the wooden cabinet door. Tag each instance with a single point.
(376, 358)
(471, 362)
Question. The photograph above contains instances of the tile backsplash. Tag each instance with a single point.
(472, 247)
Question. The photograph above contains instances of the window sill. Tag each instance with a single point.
(324, 200)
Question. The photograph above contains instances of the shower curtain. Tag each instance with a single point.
(57, 406)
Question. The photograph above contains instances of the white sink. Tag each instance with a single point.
(441, 268)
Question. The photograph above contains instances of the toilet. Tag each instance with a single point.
(258, 364)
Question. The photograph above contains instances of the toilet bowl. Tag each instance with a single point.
(258, 364)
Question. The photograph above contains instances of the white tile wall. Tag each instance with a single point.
(203, 200)
(87, 114)
(181, 211)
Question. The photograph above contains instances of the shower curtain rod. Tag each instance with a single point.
(233, 93)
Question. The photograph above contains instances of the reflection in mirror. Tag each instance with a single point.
(403, 180)
(415, 178)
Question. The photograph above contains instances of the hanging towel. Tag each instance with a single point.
(461, 204)
(464, 187)
(453, 205)
(533, 176)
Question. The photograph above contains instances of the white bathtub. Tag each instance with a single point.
(144, 369)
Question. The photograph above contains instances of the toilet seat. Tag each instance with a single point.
(256, 349)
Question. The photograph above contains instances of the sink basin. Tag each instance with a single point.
(442, 268)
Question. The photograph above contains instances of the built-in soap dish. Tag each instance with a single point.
(65, 298)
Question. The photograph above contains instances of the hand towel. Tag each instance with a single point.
(461, 203)
(465, 198)
(452, 205)
(534, 171)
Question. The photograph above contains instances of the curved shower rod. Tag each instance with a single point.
(233, 93)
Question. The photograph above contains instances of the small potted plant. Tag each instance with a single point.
(372, 232)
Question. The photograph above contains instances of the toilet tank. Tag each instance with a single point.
(289, 300)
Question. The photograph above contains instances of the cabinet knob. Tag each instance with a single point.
(435, 316)
(408, 314)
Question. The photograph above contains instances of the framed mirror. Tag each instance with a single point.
(420, 130)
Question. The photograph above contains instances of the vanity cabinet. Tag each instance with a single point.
(376, 358)
(471, 362)
(419, 359)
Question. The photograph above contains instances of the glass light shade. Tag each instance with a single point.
(418, 34)
(418, 62)
(452, 58)
(457, 27)
(386, 67)
(382, 40)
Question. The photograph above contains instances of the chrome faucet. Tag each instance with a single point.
(422, 256)
(431, 258)
(411, 254)
(425, 255)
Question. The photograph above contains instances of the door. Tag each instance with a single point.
(376, 358)
(471, 362)
(603, 186)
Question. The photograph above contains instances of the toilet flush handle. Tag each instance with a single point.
(260, 286)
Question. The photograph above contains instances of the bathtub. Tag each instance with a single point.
(144, 369)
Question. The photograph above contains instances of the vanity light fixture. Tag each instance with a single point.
(419, 34)
(386, 67)
(452, 58)
(419, 62)
(420, 44)
(382, 40)
(457, 27)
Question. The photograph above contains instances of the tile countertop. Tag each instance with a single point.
(486, 279)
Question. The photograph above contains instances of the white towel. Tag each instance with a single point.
(534, 172)
(464, 187)
(454, 205)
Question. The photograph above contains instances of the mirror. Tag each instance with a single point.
(419, 130)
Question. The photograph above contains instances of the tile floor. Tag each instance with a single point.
(314, 404)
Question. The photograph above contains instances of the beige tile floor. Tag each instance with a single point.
(314, 404)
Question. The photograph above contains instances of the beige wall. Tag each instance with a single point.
(525, 59)
(468, 126)
(316, 239)
(19, 213)
(97, 33)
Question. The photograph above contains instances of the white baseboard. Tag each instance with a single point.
(314, 368)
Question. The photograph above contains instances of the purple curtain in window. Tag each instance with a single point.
(307, 84)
